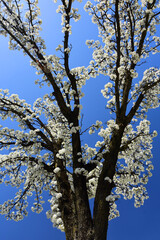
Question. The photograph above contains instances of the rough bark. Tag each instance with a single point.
(85, 224)
(104, 188)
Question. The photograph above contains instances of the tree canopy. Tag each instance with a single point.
(48, 152)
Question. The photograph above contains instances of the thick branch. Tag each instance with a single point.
(118, 39)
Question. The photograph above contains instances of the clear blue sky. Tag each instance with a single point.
(17, 75)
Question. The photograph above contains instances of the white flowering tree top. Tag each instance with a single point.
(46, 153)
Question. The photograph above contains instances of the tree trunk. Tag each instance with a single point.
(81, 226)
(101, 206)
(84, 218)
(104, 188)
(78, 222)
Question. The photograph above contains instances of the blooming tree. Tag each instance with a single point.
(46, 152)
